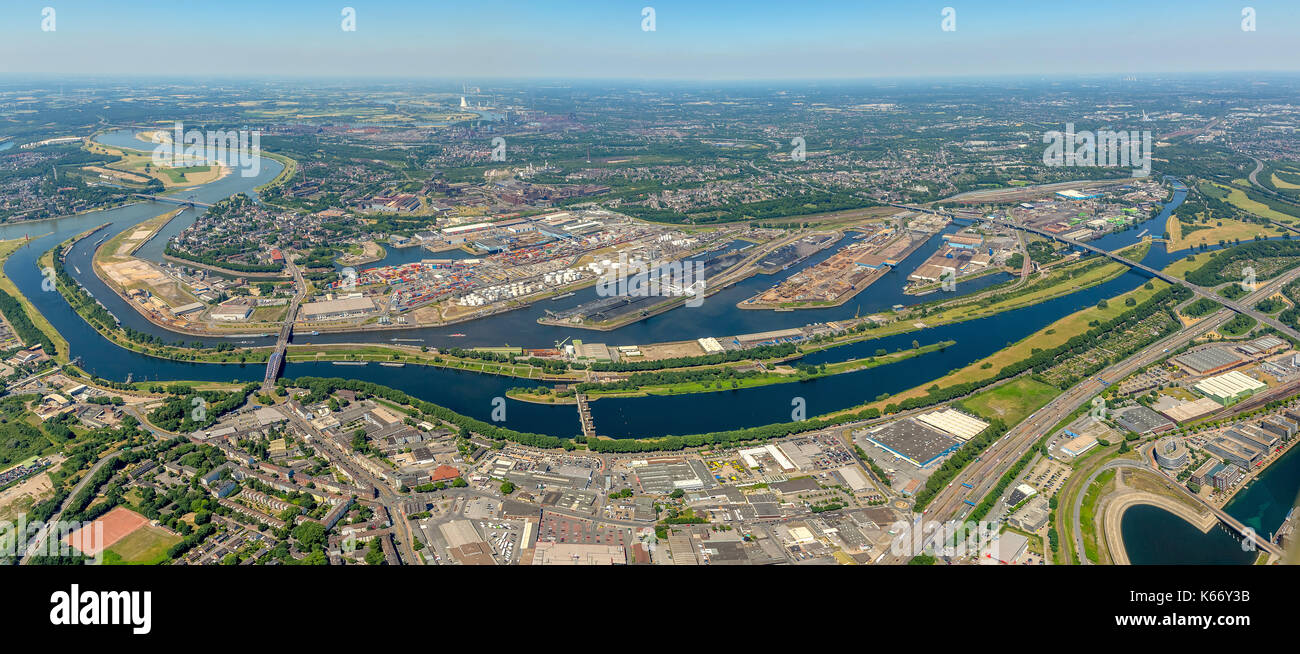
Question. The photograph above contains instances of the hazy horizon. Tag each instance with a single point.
(719, 41)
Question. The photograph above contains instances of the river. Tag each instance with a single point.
(616, 417)
(1262, 505)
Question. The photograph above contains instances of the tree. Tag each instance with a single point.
(309, 534)
(507, 488)
(375, 553)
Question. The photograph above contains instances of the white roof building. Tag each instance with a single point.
(954, 422)
(1229, 385)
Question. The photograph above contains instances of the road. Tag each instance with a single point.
(276, 361)
(1246, 308)
(1078, 503)
(324, 446)
(984, 473)
(34, 544)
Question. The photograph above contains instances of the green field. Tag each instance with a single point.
(144, 546)
(1013, 401)
(1087, 514)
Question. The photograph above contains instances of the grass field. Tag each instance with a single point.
(1279, 183)
(1180, 267)
(1013, 401)
(1238, 198)
(1087, 517)
(147, 545)
(1225, 230)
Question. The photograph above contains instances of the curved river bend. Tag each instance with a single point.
(1148, 531)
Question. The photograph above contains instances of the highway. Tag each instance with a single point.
(1244, 308)
(984, 473)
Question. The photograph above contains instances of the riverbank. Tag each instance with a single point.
(102, 321)
(7, 285)
(777, 375)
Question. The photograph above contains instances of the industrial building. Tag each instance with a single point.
(913, 442)
(954, 423)
(1229, 388)
(1262, 345)
(352, 307)
(232, 312)
(1141, 420)
(1186, 411)
(1079, 445)
(664, 477)
(1209, 360)
(552, 553)
(753, 457)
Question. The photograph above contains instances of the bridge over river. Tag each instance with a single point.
(171, 200)
(1201, 291)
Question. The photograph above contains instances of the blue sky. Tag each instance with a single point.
(603, 39)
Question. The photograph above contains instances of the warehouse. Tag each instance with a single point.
(1209, 360)
(913, 442)
(855, 479)
(1142, 420)
(352, 307)
(1262, 345)
(1229, 388)
(1079, 445)
(954, 423)
(1186, 411)
(664, 477)
(752, 457)
(187, 308)
(232, 312)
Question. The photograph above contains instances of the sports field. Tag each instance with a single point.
(106, 530)
(147, 545)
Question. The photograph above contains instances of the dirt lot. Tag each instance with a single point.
(670, 350)
(20, 498)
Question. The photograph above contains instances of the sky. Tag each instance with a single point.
(605, 39)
